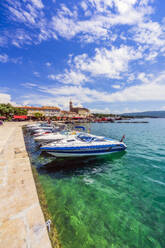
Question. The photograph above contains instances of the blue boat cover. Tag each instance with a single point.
(83, 128)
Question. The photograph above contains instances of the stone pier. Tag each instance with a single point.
(22, 223)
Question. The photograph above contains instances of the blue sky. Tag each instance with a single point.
(107, 55)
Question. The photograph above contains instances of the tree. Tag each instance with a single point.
(38, 115)
(54, 118)
(19, 111)
(6, 110)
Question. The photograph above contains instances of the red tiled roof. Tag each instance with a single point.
(39, 108)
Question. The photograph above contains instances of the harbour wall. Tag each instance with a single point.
(22, 224)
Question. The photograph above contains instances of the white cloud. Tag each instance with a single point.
(29, 85)
(144, 92)
(20, 37)
(69, 77)
(84, 5)
(52, 76)
(163, 108)
(146, 78)
(150, 33)
(153, 90)
(131, 77)
(31, 15)
(37, 99)
(6, 98)
(38, 3)
(3, 40)
(4, 58)
(116, 86)
(97, 26)
(48, 64)
(36, 73)
(110, 63)
(100, 16)
(151, 56)
(103, 111)
(77, 93)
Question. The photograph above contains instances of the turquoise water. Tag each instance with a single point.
(113, 201)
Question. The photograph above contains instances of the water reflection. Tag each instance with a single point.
(72, 166)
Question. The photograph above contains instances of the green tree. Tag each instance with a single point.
(6, 110)
(19, 111)
(38, 115)
(54, 118)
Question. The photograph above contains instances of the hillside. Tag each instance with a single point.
(154, 114)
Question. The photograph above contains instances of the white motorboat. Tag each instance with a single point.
(47, 138)
(42, 132)
(37, 126)
(83, 145)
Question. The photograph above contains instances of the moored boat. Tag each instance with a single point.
(54, 137)
(83, 145)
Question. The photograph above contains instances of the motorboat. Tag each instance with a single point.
(42, 129)
(83, 145)
(37, 126)
(50, 137)
(42, 132)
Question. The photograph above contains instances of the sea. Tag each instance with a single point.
(112, 201)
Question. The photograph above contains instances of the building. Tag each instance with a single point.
(78, 110)
(47, 111)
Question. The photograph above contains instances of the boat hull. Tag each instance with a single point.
(63, 154)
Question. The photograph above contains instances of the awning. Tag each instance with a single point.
(20, 117)
(2, 117)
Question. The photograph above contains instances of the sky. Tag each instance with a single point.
(106, 55)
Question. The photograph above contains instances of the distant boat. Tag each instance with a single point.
(83, 145)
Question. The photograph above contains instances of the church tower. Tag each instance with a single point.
(70, 106)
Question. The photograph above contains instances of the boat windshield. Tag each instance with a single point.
(90, 139)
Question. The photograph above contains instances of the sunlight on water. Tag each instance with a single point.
(113, 201)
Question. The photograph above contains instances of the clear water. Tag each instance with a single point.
(113, 201)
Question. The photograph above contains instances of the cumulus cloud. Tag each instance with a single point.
(108, 62)
(6, 98)
(150, 33)
(69, 77)
(146, 78)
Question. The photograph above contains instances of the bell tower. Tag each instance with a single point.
(70, 106)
